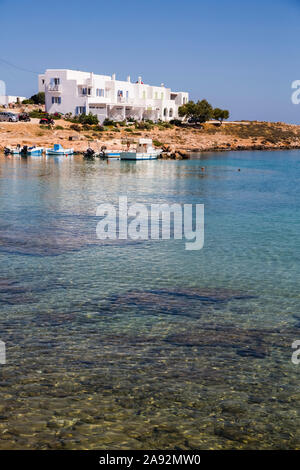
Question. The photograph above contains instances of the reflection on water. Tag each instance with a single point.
(144, 345)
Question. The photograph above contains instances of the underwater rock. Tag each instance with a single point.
(189, 302)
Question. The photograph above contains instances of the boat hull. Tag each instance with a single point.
(12, 151)
(62, 152)
(139, 156)
(112, 154)
(34, 151)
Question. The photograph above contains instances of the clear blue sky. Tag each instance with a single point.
(240, 55)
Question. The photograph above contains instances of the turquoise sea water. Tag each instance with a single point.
(144, 345)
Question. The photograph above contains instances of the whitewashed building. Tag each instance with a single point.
(72, 91)
(5, 100)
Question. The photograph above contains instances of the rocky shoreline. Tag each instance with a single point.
(177, 142)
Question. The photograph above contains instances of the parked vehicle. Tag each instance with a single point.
(7, 116)
(47, 121)
(24, 117)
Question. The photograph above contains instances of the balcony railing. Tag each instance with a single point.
(54, 88)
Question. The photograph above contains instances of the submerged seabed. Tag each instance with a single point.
(126, 345)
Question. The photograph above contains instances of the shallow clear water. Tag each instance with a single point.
(144, 345)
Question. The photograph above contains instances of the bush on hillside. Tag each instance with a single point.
(143, 126)
(109, 122)
(39, 98)
(88, 119)
(75, 127)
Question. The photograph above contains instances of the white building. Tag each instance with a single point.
(5, 100)
(72, 91)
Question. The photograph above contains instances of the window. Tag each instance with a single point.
(156, 95)
(86, 91)
(80, 110)
(55, 81)
(162, 96)
(144, 95)
(120, 93)
(56, 100)
(100, 92)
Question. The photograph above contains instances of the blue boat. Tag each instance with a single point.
(59, 150)
(35, 151)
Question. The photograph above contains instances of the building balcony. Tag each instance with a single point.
(56, 88)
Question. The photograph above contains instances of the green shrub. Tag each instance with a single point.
(165, 125)
(38, 114)
(176, 122)
(109, 122)
(39, 98)
(29, 101)
(55, 116)
(86, 127)
(97, 128)
(59, 128)
(75, 127)
(88, 119)
(157, 143)
(143, 126)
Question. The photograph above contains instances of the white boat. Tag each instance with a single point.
(32, 150)
(59, 150)
(13, 150)
(144, 151)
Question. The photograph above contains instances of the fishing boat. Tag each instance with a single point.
(59, 150)
(13, 150)
(104, 153)
(144, 151)
(108, 154)
(33, 150)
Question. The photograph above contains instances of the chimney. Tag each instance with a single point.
(128, 78)
(140, 80)
(113, 77)
(162, 84)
